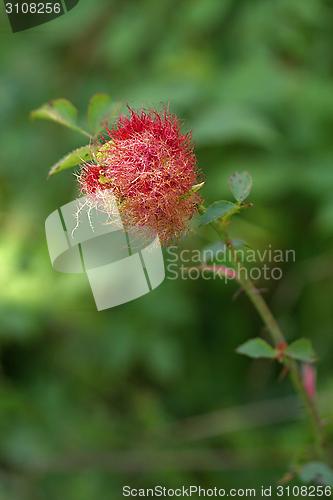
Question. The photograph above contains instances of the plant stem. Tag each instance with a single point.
(278, 338)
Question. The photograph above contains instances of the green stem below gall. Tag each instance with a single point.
(278, 339)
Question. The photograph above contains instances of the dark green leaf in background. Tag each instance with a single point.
(101, 110)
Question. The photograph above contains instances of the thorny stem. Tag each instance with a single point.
(278, 339)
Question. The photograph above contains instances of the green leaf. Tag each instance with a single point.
(60, 111)
(101, 110)
(72, 159)
(194, 189)
(257, 348)
(301, 350)
(215, 211)
(240, 184)
(316, 472)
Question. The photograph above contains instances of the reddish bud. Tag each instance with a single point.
(309, 379)
(280, 348)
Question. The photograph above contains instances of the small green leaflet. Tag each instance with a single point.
(257, 348)
(301, 350)
(194, 189)
(240, 184)
(316, 472)
(72, 159)
(215, 211)
(60, 111)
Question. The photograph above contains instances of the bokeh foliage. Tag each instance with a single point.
(89, 400)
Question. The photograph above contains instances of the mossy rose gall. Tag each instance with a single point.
(150, 166)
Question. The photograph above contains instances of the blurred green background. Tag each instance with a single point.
(152, 391)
